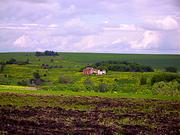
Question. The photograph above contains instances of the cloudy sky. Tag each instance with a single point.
(114, 26)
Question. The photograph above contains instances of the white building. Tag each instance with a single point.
(101, 72)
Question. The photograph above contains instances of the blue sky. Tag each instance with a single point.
(112, 26)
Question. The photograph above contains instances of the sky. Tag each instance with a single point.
(104, 26)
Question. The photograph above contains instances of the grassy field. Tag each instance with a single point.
(116, 103)
(71, 59)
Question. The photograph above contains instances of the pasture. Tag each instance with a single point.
(64, 101)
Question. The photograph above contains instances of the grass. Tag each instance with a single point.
(25, 90)
(126, 84)
(75, 59)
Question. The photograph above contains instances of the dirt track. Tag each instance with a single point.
(106, 117)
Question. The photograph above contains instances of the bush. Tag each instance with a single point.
(65, 79)
(89, 84)
(46, 53)
(22, 83)
(171, 69)
(143, 80)
(123, 66)
(169, 89)
(166, 77)
(36, 75)
(2, 67)
(14, 61)
(11, 61)
(103, 87)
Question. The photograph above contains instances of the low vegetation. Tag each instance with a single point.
(122, 66)
(62, 73)
(46, 53)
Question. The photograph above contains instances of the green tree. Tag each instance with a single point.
(171, 69)
(65, 79)
(36, 75)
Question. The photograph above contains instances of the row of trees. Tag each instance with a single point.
(122, 66)
(46, 53)
(14, 61)
(2, 65)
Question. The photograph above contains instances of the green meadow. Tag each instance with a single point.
(69, 80)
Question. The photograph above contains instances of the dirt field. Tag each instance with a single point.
(88, 115)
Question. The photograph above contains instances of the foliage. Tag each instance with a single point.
(46, 53)
(89, 84)
(2, 66)
(36, 75)
(123, 66)
(14, 61)
(143, 80)
(166, 88)
(171, 69)
(166, 77)
(103, 87)
(65, 79)
(116, 82)
(22, 83)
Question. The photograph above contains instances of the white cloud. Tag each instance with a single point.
(151, 40)
(53, 26)
(166, 23)
(123, 27)
(22, 42)
(74, 23)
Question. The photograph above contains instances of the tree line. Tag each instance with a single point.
(46, 53)
(122, 66)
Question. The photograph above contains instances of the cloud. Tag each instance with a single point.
(22, 42)
(123, 27)
(166, 23)
(150, 40)
(90, 25)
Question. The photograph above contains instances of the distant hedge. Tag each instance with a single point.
(46, 53)
(14, 61)
(165, 77)
(123, 66)
(171, 69)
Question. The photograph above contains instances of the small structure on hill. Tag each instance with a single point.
(90, 71)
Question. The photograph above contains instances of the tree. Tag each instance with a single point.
(46, 53)
(166, 77)
(2, 65)
(103, 87)
(143, 80)
(11, 61)
(36, 75)
(171, 69)
(65, 79)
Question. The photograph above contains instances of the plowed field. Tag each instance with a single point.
(30, 114)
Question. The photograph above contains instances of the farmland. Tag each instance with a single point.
(64, 101)
(32, 114)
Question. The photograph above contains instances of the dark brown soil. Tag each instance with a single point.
(107, 117)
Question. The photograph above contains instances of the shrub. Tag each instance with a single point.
(169, 89)
(11, 61)
(171, 69)
(123, 66)
(89, 84)
(103, 87)
(166, 77)
(143, 80)
(46, 53)
(2, 67)
(36, 75)
(65, 79)
(22, 83)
